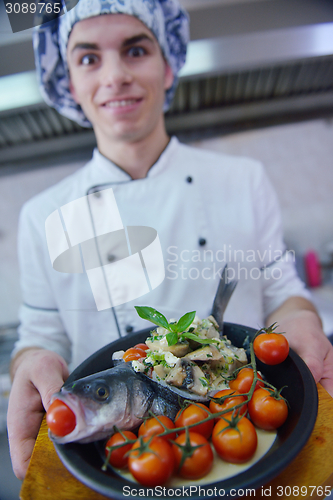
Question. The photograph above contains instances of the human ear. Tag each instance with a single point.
(168, 77)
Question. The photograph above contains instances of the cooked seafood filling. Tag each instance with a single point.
(200, 368)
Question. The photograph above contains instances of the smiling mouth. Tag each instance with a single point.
(121, 103)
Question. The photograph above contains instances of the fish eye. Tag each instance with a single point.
(102, 392)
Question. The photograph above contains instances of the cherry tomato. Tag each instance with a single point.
(267, 411)
(229, 403)
(134, 353)
(144, 347)
(235, 445)
(153, 427)
(60, 419)
(200, 462)
(242, 383)
(192, 414)
(118, 457)
(155, 465)
(271, 348)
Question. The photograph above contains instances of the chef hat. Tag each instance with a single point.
(167, 20)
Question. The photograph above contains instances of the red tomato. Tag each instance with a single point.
(193, 414)
(229, 403)
(200, 462)
(271, 348)
(134, 353)
(266, 411)
(242, 383)
(153, 427)
(235, 445)
(118, 457)
(155, 465)
(60, 419)
(144, 347)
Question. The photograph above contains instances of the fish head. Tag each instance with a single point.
(103, 401)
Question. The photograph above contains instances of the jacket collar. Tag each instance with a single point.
(103, 170)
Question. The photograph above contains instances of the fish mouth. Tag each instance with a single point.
(87, 428)
(75, 405)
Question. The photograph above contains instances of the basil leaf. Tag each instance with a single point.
(152, 315)
(172, 338)
(185, 321)
(173, 327)
(193, 336)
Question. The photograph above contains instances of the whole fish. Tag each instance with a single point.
(115, 397)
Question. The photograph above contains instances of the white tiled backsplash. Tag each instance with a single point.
(15, 190)
(298, 159)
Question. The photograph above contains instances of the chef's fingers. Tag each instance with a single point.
(48, 375)
(322, 367)
(38, 376)
(25, 413)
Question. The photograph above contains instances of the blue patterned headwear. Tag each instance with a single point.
(167, 20)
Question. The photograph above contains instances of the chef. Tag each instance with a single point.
(148, 221)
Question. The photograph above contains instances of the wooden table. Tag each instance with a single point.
(48, 479)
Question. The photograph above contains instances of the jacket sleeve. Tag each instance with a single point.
(279, 276)
(40, 321)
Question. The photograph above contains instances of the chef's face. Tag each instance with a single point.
(118, 75)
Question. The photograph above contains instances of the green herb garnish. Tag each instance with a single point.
(172, 338)
(152, 315)
(175, 328)
(158, 319)
(204, 381)
(196, 338)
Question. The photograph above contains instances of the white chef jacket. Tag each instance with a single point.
(208, 210)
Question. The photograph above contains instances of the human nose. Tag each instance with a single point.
(114, 72)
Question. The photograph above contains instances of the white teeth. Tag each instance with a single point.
(118, 104)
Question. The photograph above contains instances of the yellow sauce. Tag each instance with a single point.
(221, 469)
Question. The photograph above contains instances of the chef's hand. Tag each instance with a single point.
(37, 374)
(298, 318)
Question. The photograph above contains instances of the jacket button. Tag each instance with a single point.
(189, 179)
(111, 257)
(202, 242)
(129, 329)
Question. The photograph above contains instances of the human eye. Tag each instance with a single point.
(88, 59)
(136, 51)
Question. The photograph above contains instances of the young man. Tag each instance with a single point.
(117, 71)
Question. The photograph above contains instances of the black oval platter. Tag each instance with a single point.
(84, 460)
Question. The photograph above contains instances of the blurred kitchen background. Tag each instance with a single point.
(258, 82)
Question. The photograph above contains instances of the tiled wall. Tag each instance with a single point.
(15, 190)
(298, 159)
